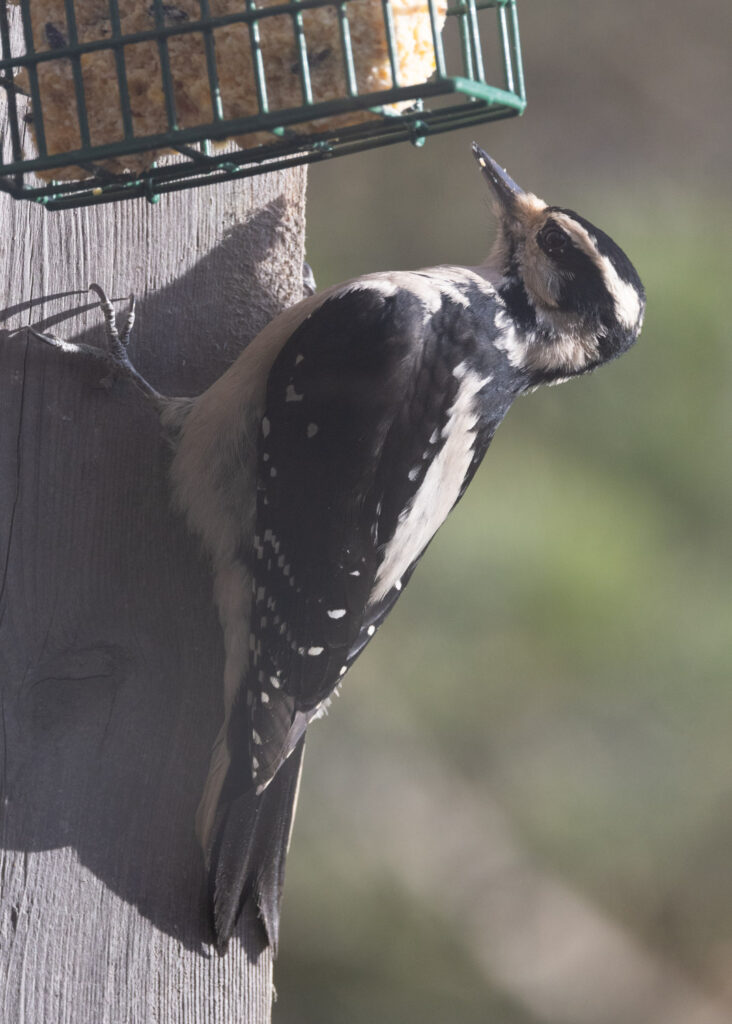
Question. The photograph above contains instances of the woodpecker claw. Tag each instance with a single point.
(70, 347)
(116, 342)
(114, 355)
(125, 337)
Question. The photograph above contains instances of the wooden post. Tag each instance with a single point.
(110, 649)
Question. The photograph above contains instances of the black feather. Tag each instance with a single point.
(250, 849)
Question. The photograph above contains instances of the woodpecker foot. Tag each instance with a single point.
(114, 355)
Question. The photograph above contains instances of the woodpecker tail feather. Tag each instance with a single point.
(247, 859)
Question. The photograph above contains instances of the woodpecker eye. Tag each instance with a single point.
(553, 240)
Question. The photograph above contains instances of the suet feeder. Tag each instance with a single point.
(111, 99)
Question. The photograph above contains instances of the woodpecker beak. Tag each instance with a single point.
(504, 188)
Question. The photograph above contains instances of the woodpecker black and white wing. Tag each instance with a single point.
(369, 432)
(360, 431)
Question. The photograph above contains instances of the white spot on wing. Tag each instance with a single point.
(438, 491)
(265, 426)
(312, 429)
(315, 651)
(336, 613)
(291, 395)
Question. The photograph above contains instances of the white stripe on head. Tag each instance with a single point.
(627, 301)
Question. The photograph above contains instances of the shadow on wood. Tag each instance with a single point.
(110, 649)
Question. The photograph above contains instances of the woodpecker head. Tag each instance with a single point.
(573, 298)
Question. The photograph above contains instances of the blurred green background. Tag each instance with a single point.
(520, 809)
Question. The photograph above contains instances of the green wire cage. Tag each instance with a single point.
(112, 99)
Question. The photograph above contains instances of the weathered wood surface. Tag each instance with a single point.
(110, 650)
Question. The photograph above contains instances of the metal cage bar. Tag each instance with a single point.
(13, 115)
(164, 55)
(120, 68)
(76, 72)
(302, 55)
(38, 124)
(514, 60)
(391, 42)
(347, 50)
(464, 89)
(474, 36)
(260, 82)
(213, 75)
(440, 66)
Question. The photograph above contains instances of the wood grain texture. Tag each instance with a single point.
(110, 650)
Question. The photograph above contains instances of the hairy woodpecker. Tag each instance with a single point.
(318, 468)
